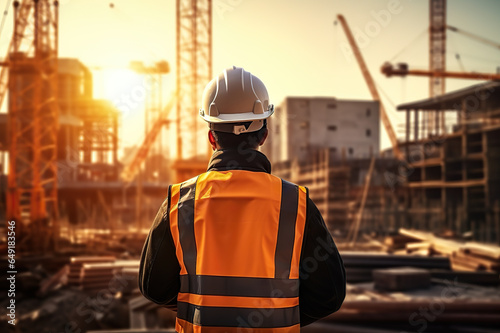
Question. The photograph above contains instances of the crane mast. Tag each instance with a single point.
(194, 70)
(33, 119)
(437, 60)
(23, 15)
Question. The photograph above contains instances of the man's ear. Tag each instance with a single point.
(264, 137)
(212, 140)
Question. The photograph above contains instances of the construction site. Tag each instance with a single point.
(409, 191)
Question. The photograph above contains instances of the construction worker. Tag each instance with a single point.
(237, 249)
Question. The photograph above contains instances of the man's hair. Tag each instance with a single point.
(248, 140)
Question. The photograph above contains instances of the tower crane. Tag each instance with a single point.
(371, 86)
(24, 9)
(194, 70)
(437, 56)
(402, 70)
(33, 120)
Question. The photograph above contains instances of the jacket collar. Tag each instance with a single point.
(239, 159)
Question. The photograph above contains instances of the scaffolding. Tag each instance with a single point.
(336, 184)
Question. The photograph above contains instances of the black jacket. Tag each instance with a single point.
(322, 274)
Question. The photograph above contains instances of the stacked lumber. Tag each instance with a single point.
(430, 242)
(476, 257)
(99, 276)
(397, 242)
(75, 275)
(463, 256)
(420, 248)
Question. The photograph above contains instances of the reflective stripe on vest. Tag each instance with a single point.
(238, 236)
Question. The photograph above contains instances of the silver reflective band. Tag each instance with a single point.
(237, 128)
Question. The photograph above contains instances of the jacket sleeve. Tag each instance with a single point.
(322, 274)
(159, 269)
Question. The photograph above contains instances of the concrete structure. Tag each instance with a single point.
(301, 125)
(452, 180)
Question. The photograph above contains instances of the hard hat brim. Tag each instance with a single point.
(237, 117)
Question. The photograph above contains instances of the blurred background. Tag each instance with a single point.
(387, 110)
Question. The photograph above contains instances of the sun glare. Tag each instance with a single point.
(124, 88)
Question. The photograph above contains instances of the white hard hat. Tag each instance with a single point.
(235, 96)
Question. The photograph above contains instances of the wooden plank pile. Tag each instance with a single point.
(97, 273)
(397, 242)
(77, 276)
(476, 257)
(464, 256)
(96, 276)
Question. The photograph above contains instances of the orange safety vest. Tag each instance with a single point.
(238, 237)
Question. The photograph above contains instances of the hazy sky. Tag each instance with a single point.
(292, 45)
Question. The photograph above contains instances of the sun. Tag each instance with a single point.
(126, 89)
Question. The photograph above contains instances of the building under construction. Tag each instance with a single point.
(90, 193)
(446, 182)
(452, 178)
(331, 145)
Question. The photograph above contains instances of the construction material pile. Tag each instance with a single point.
(102, 272)
(476, 257)
(82, 273)
(464, 256)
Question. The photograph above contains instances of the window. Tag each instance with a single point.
(368, 112)
(368, 132)
(351, 151)
(331, 106)
(332, 127)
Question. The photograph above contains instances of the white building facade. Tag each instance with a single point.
(300, 125)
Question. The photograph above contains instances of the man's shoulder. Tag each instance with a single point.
(190, 181)
(206, 175)
(301, 187)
